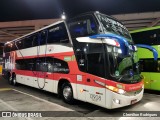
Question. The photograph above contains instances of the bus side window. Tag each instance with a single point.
(35, 40)
(17, 65)
(30, 64)
(28, 42)
(78, 28)
(13, 46)
(146, 37)
(43, 65)
(60, 66)
(58, 34)
(7, 48)
(37, 64)
(19, 44)
(21, 64)
(148, 65)
(83, 26)
(43, 35)
(49, 64)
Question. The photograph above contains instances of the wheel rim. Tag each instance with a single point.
(67, 92)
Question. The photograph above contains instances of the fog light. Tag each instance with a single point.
(116, 101)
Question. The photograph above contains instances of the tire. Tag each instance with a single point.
(67, 93)
(14, 82)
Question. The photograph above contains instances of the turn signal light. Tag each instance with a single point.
(81, 90)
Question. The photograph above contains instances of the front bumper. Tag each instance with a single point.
(115, 100)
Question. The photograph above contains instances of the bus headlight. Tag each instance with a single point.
(121, 91)
(115, 89)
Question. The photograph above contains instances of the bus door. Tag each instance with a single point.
(95, 73)
(81, 79)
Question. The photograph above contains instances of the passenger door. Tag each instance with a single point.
(81, 78)
(90, 59)
(95, 82)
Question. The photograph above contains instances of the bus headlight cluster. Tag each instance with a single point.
(115, 89)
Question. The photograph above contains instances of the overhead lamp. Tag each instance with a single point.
(97, 11)
(63, 16)
(7, 42)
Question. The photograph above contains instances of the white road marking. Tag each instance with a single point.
(12, 108)
(59, 106)
(151, 94)
(9, 106)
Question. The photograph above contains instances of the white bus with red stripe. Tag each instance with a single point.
(89, 58)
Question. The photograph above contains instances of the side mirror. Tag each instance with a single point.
(152, 49)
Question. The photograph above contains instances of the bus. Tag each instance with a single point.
(90, 57)
(1, 57)
(150, 68)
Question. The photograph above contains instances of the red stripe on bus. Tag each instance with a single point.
(73, 79)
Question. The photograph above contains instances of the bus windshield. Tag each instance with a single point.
(110, 25)
(123, 67)
(96, 57)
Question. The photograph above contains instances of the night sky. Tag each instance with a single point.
(11, 10)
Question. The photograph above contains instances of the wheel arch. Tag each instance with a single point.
(61, 82)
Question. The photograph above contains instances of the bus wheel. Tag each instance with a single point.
(14, 80)
(67, 93)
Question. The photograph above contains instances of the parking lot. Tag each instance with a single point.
(24, 98)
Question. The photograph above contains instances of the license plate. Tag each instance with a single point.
(133, 101)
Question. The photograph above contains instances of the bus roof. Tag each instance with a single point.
(35, 31)
(145, 29)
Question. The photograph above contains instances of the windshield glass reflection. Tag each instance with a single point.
(110, 25)
(122, 66)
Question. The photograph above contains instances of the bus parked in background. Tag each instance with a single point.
(90, 58)
(1, 57)
(150, 68)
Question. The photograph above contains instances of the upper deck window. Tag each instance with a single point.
(58, 34)
(150, 37)
(82, 26)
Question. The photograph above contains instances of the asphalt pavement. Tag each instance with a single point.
(23, 99)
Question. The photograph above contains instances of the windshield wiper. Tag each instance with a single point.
(123, 76)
